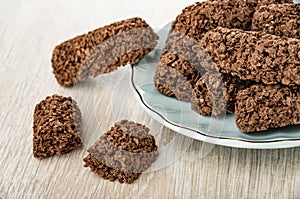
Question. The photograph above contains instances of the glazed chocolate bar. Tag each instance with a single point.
(56, 126)
(254, 56)
(122, 153)
(102, 50)
(178, 68)
(281, 20)
(262, 107)
(215, 93)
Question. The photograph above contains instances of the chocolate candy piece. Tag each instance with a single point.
(215, 93)
(175, 76)
(178, 69)
(257, 3)
(197, 19)
(281, 20)
(262, 107)
(102, 50)
(122, 153)
(56, 126)
(254, 56)
(179, 57)
(109, 173)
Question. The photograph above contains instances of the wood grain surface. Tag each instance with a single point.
(29, 30)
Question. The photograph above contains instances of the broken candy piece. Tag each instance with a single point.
(56, 126)
(122, 153)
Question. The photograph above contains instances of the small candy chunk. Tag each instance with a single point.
(122, 153)
(56, 126)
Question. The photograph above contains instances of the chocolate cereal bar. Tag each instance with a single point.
(102, 50)
(122, 153)
(257, 3)
(178, 68)
(215, 93)
(281, 20)
(176, 76)
(197, 19)
(56, 126)
(254, 56)
(262, 107)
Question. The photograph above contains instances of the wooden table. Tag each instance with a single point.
(28, 32)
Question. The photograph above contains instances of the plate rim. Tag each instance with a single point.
(201, 136)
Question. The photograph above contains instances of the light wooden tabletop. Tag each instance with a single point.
(29, 30)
